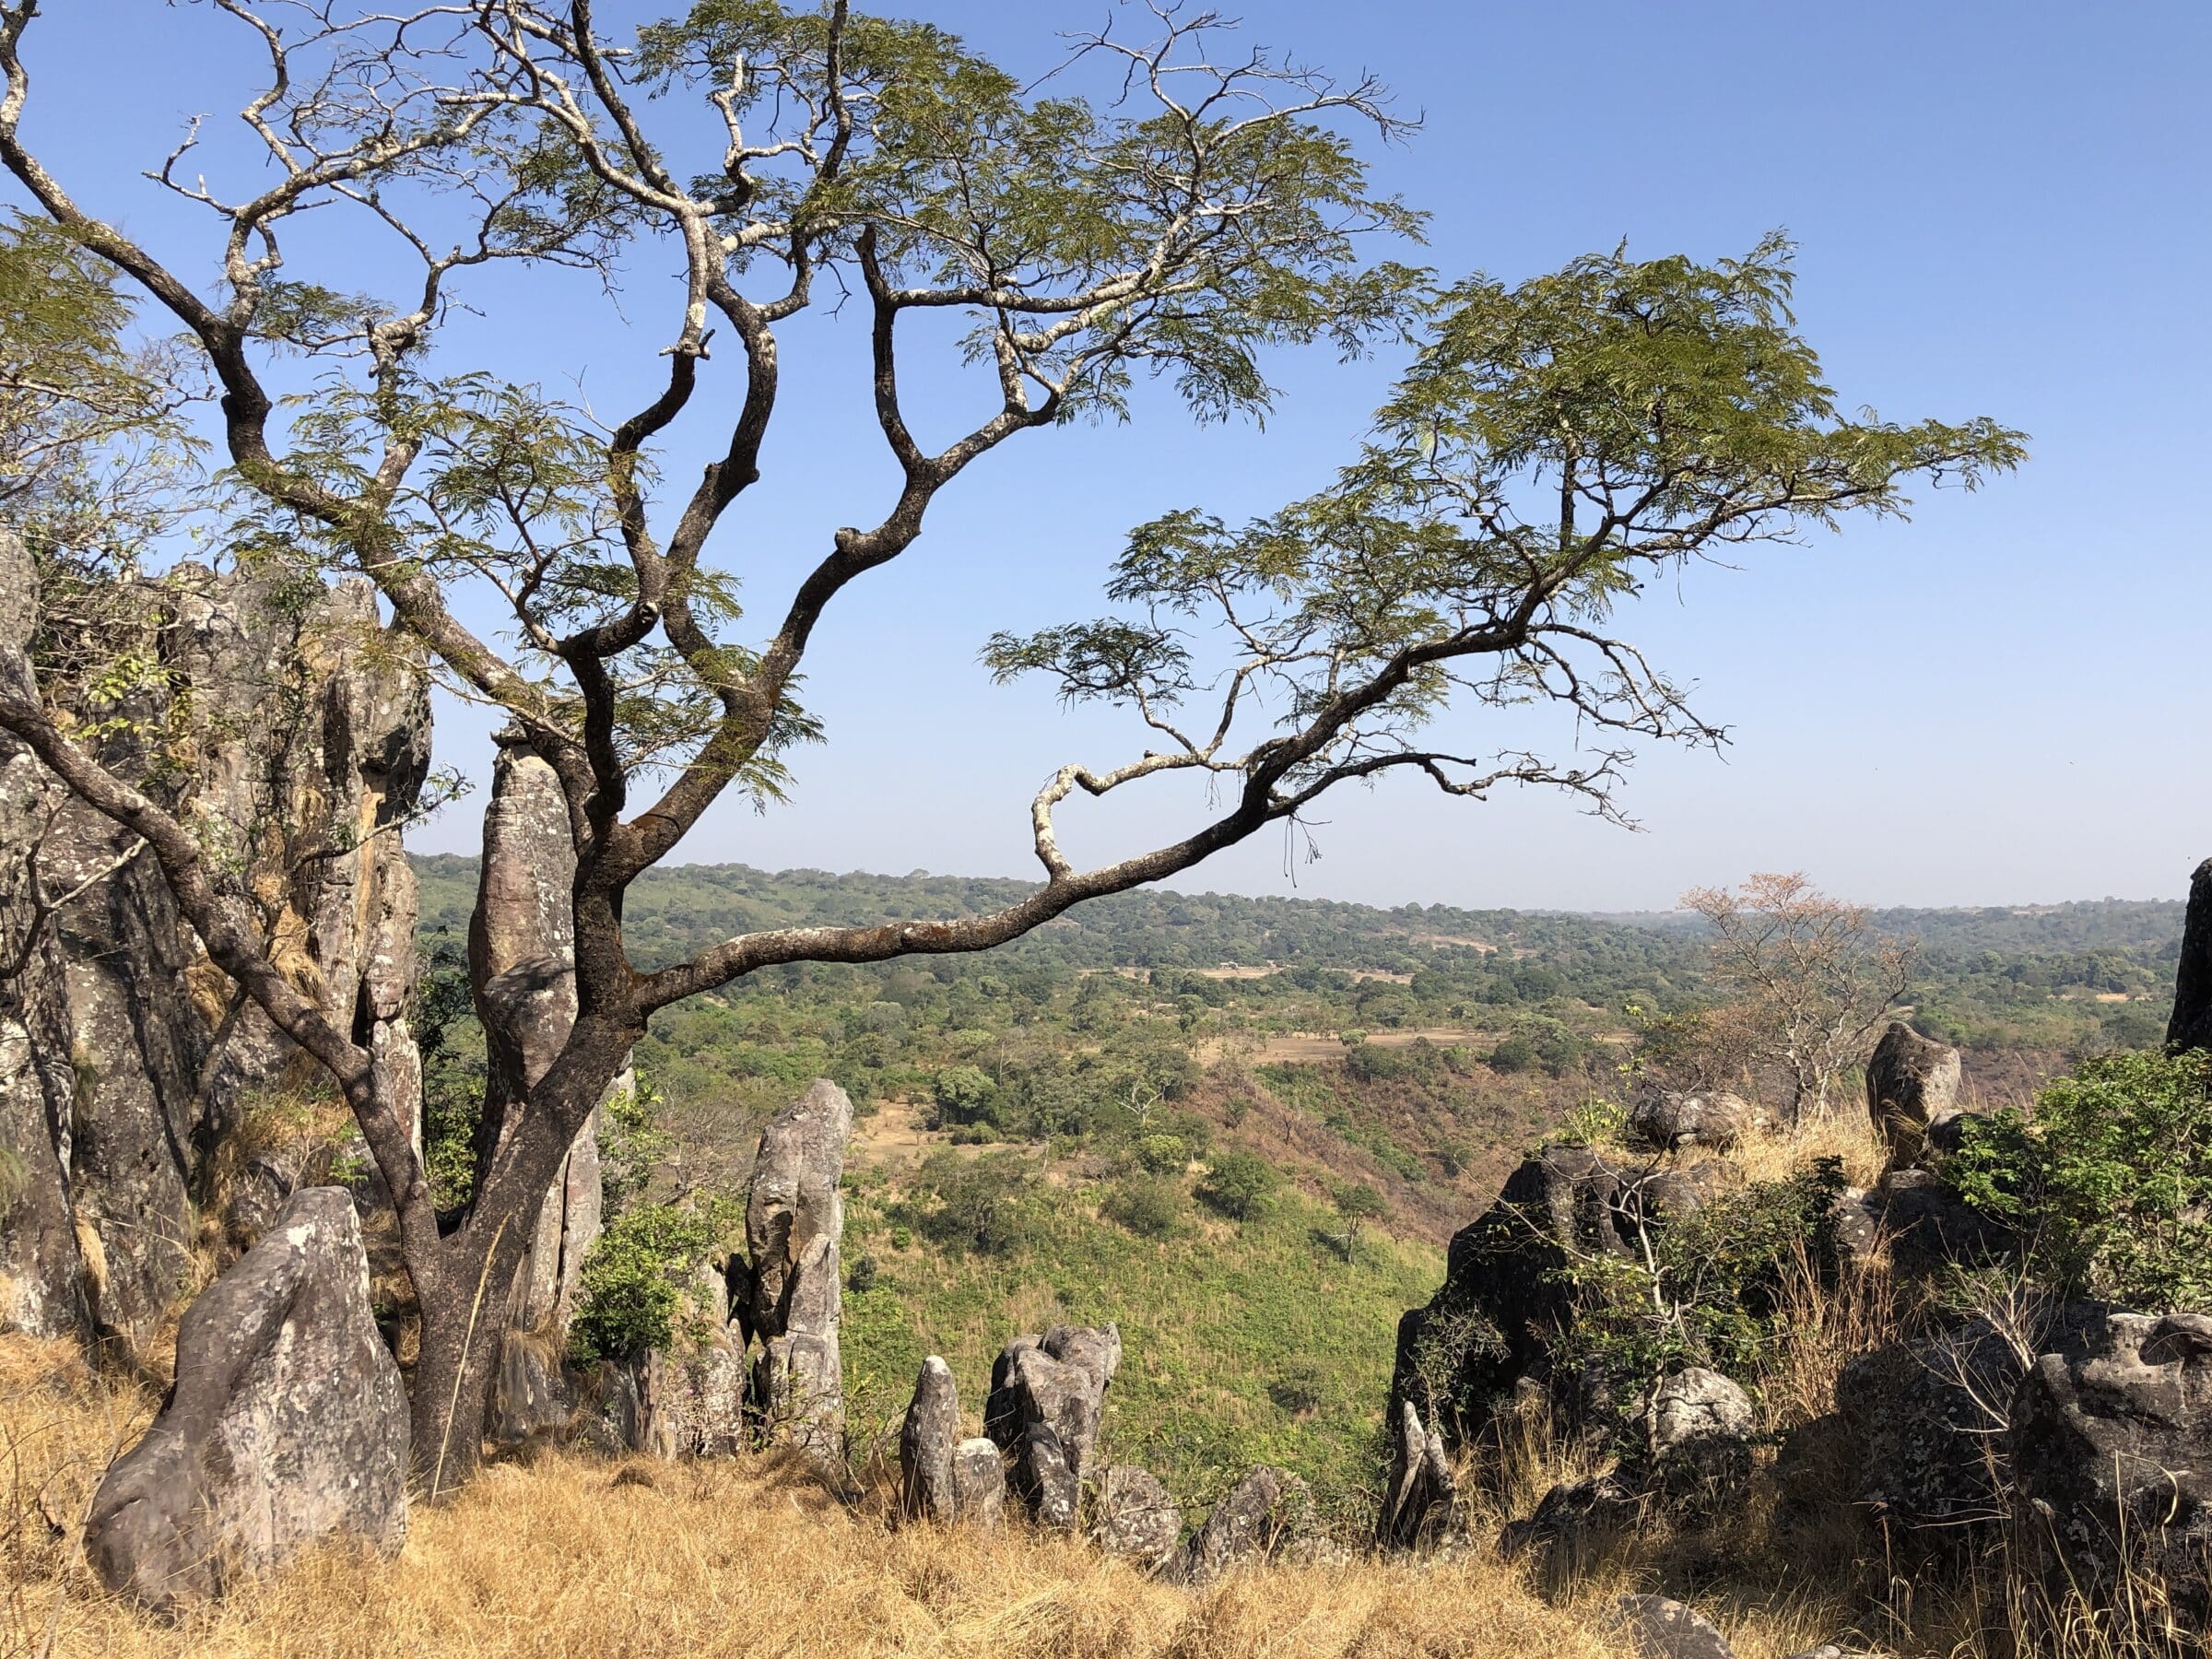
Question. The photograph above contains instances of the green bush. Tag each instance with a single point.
(981, 1204)
(1237, 1184)
(631, 1289)
(2109, 1182)
(1162, 1154)
(1149, 1205)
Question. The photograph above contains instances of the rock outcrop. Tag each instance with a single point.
(2191, 1024)
(295, 741)
(928, 1440)
(1135, 1517)
(1047, 1395)
(1263, 1513)
(2110, 1449)
(288, 1423)
(1575, 1524)
(1910, 1082)
(1698, 1431)
(979, 1483)
(793, 1223)
(1669, 1120)
(1656, 1627)
(1416, 1504)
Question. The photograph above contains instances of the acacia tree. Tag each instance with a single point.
(1552, 446)
(1811, 977)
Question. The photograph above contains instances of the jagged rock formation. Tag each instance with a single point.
(979, 1483)
(521, 952)
(1264, 1513)
(1047, 1393)
(2107, 1440)
(927, 1441)
(1135, 1517)
(2190, 1025)
(793, 1223)
(296, 739)
(1910, 1082)
(1419, 1496)
(288, 1423)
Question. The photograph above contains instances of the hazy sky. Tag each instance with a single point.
(2001, 209)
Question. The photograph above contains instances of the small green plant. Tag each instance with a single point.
(2109, 1183)
(632, 1287)
(1237, 1184)
(1596, 1122)
(1151, 1206)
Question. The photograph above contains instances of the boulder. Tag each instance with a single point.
(1929, 1227)
(1419, 1499)
(792, 1222)
(2191, 1024)
(1575, 1524)
(1910, 1081)
(1133, 1515)
(1054, 1383)
(979, 1483)
(1266, 1511)
(1698, 1432)
(926, 1440)
(1046, 1478)
(288, 1423)
(1668, 1119)
(1654, 1627)
(2111, 1447)
(696, 1391)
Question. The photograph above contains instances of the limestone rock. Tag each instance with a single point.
(288, 1423)
(1654, 1627)
(1910, 1081)
(1135, 1516)
(1419, 1499)
(2191, 1024)
(1046, 1476)
(2108, 1441)
(792, 1222)
(1668, 1119)
(927, 1441)
(979, 1483)
(1264, 1513)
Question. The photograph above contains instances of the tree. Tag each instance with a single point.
(1214, 210)
(1237, 1183)
(1811, 978)
(1357, 1205)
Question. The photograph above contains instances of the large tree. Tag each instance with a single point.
(1552, 446)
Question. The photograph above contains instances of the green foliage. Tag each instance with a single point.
(984, 1204)
(1151, 1206)
(1237, 1184)
(635, 1276)
(2109, 1183)
(964, 1094)
(452, 1044)
(1162, 1154)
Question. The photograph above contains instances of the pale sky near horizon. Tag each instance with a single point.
(2000, 209)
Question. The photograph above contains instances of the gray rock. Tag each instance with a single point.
(2109, 1439)
(1418, 1502)
(1910, 1081)
(2191, 1024)
(1654, 1627)
(979, 1483)
(793, 1223)
(288, 1423)
(1929, 1227)
(1266, 1511)
(1575, 1524)
(1698, 1431)
(696, 1391)
(1668, 1119)
(1056, 1382)
(1135, 1515)
(926, 1440)
(1046, 1478)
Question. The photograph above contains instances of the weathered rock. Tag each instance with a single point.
(288, 1423)
(1668, 1119)
(695, 1392)
(1045, 1476)
(1263, 1513)
(2189, 1026)
(793, 1223)
(1419, 1499)
(1927, 1424)
(927, 1441)
(979, 1483)
(1698, 1431)
(1055, 1382)
(1911, 1080)
(1654, 1627)
(1135, 1515)
(1575, 1524)
(2111, 1446)
(1929, 1227)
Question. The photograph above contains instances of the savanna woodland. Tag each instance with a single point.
(510, 1252)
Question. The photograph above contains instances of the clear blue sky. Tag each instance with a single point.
(2001, 209)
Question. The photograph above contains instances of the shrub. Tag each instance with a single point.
(1237, 1184)
(1162, 1154)
(963, 1094)
(2109, 1181)
(1149, 1205)
(634, 1276)
(982, 1204)
(860, 1278)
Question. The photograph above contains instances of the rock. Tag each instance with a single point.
(2191, 1024)
(1929, 1227)
(2109, 1441)
(1909, 1082)
(1264, 1513)
(1654, 1627)
(792, 1222)
(1698, 1431)
(979, 1483)
(288, 1423)
(1056, 1381)
(696, 1392)
(1575, 1524)
(1419, 1499)
(925, 1444)
(1135, 1517)
(1668, 1119)
(1926, 1422)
